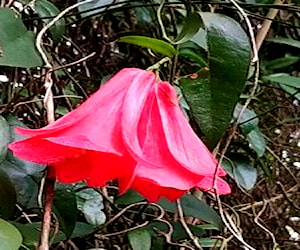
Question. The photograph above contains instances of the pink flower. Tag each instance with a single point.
(132, 129)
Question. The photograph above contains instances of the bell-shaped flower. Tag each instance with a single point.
(132, 129)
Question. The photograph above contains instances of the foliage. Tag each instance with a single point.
(207, 55)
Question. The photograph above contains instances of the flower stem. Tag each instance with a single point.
(156, 66)
(46, 224)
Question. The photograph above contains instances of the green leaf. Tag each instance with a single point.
(288, 83)
(95, 7)
(82, 229)
(129, 198)
(257, 141)
(248, 120)
(4, 137)
(286, 41)
(143, 16)
(158, 243)
(195, 208)
(10, 237)
(140, 239)
(282, 62)
(90, 203)
(200, 38)
(283, 78)
(290, 90)
(249, 126)
(30, 233)
(24, 175)
(208, 242)
(212, 100)
(7, 196)
(65, 207)
(191, 25)
(179, 232)
(45, 8)
(241, 170)
(17, 47)
(154, 44)
(191, 54)
(208, 227)
(199, 209)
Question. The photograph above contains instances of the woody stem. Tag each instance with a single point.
(46, 224)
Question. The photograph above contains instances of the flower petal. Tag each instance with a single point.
(156, 151)
(134, 103)
(182, 142)
(106, 167)
(96, 123)
(42, 151)
(153, 192)
(206, 184)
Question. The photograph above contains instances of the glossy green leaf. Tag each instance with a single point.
(249, 126)
(212, 100)
(199, 209)
(208, 242)
(179, 233)
(129, 197)
(288, 83)
(90, 203)
(45, 8)
(191, 25)
(24, 175)
(282, 62)
(30, 233)
(195, 208)
(139, 239)
(158, 243)
(208, 227)
(65, 207)
(257, 141)
(200, 38)
(286, 41)
(7, 196)
(17, 44)
(248, 120)
(193, 55)
(4, 137)
(143, 16)
(241, 170)
(10, 237)
(291, 90)
(154, 44)
(283, 78)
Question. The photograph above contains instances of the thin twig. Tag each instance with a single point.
(161, 24)
(227, 220)
(49, 106)
(168, 236)
(282, 163)
(262, 33)
(287, 197)
(275, 244)
(83, 59)
(101, 236)
(250, 30)
(246, 206)
(185, 226)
